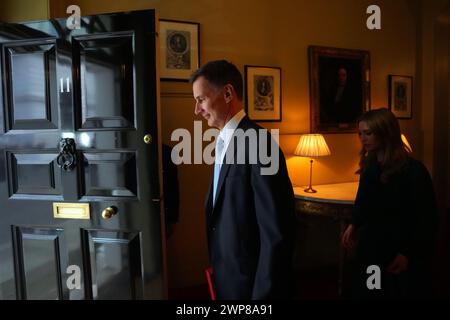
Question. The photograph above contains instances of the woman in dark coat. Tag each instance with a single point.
(394, 219)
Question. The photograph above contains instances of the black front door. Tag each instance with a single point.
(79, 190)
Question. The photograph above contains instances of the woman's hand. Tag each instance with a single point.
(398, 265)
(348, 239)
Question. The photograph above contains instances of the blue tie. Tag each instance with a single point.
(217, 166)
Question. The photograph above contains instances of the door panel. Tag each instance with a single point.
(115, 262)
(33, 175)
(97, 86)
(107, 80)
(41, 262)
(30, 71)
(110, 174)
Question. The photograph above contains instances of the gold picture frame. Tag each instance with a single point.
(339, 88)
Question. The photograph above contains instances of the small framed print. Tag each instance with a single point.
(263, 93)
(179, 45)
(400, 96)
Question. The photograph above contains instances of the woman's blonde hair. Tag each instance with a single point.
(392, 152)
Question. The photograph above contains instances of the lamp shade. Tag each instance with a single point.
(312, 145)
(405, 141)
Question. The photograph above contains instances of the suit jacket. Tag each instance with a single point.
(250, 227)
(346, 109)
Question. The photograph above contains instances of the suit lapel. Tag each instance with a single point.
(223, 173)
(226, 167)
(208, 200)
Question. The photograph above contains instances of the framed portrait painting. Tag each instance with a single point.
(179, 49)
(400, 96)
(263, 93)
(339, 82)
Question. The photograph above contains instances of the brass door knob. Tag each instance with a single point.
(109, 212)
(148, 138)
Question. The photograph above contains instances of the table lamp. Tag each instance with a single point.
(312, 145)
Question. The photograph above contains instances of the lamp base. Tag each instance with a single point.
(310, 190)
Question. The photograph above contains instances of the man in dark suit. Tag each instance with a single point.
(249, 211)
(342, 102)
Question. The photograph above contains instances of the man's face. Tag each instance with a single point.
(210, 103)
(342, 76)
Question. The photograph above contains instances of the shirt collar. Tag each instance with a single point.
(228, 130)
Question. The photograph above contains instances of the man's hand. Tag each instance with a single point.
(348, 238)
(399, 264)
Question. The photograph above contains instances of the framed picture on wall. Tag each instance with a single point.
(339, 82)
(263, 93)
(400, 96)
(180, 49)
